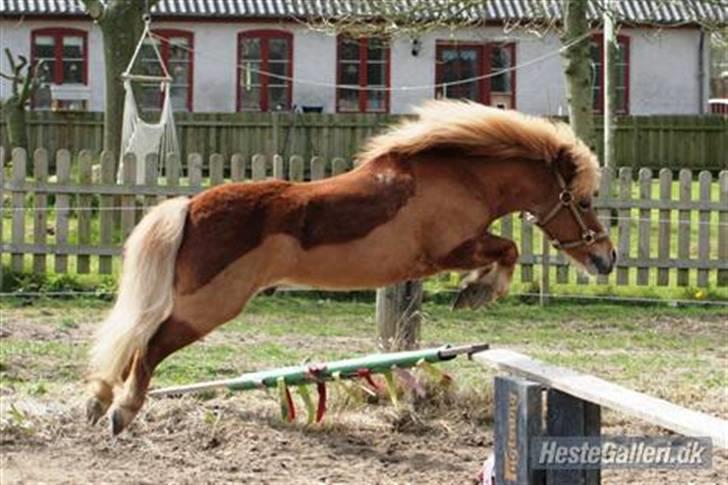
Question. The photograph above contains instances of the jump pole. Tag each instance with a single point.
(327, 371)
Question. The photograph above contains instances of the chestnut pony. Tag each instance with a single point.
(420, 202)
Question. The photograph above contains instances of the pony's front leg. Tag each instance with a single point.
(495, 260)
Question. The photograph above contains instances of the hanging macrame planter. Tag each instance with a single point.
(139, 137)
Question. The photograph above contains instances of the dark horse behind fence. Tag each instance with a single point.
(420, 202)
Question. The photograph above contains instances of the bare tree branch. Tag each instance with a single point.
(95, 9)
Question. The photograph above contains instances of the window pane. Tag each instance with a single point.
(349, 74)
(45, 71)
(375, 74)
(457, 64)
(278, 49)
(250, 75)
(621, 76)
(151, 98)
(178, 48)
(250, 99)
(279, 69)
(72, 47)
(180, 71)
(348, 100)
(621, 100)
(149, 68)
(376, 101)
(596, 96)
(500, 59)
(278, 98)
(349, 50)
(42, 97)
(45, 46)
(375, 50)
(73, 71)
(178, 95)
(250, 49)
(147, 52)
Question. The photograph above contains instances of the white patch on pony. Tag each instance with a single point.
(585, 270)
(386, 177)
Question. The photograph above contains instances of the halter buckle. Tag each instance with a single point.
(589, 237)
(566, 197)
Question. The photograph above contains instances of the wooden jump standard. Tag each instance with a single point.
(574, 403)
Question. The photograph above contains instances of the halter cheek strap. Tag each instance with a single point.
(568, 201)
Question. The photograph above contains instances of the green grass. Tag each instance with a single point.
(647, 346)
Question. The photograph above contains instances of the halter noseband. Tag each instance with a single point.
(567, 200)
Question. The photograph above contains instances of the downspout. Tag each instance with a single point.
(701, 72)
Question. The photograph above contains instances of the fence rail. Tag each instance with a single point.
(669, 231)
(695, 142)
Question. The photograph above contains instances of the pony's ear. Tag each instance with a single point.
(564, 164)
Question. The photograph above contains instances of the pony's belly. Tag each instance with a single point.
(345, 268)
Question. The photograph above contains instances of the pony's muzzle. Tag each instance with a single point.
(604, 264)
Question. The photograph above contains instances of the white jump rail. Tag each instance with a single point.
(604, 393)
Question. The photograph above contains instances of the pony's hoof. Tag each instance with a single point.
(473, 296)
(95, 410)
(120, 419)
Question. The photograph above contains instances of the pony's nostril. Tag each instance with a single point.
(614, 255)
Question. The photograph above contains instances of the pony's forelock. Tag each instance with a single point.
(489, 132)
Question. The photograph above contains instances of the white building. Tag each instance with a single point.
(219, 52)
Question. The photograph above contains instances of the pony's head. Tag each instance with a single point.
(566, 214)
(566, 179)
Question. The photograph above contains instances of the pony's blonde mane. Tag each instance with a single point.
(491, 133)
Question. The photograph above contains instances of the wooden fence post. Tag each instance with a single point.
(106, 206)
(683, 226)
(295, 168)
(723, 227)
(2, 215)
(258, 167)
(705, 180)
(85, 177)
(399, 315)
(19, 156)
(237, 167)
(518, 418)
(663, 231)
(40, 218)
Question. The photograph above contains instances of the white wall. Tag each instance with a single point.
(664, 71)
(663, 66)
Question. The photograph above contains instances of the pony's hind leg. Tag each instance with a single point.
(102, 395)
(171, 336)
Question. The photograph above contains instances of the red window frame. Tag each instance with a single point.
(623, 41)
(58, 33)
(164, 52)
(485, 67)
(363, 82)
(265, 35)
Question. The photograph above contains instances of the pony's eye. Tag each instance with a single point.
(585, 204)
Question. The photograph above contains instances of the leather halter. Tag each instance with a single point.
(568, 201)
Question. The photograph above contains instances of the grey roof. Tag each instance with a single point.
(631, 11)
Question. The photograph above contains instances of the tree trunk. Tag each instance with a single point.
(577, 68)
(121, 26)
(14, 113)
(399, 315)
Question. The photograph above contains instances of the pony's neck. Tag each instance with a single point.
(519, 185)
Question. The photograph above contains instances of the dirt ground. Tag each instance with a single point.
(239, 438)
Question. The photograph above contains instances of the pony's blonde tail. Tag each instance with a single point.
(146, 290)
